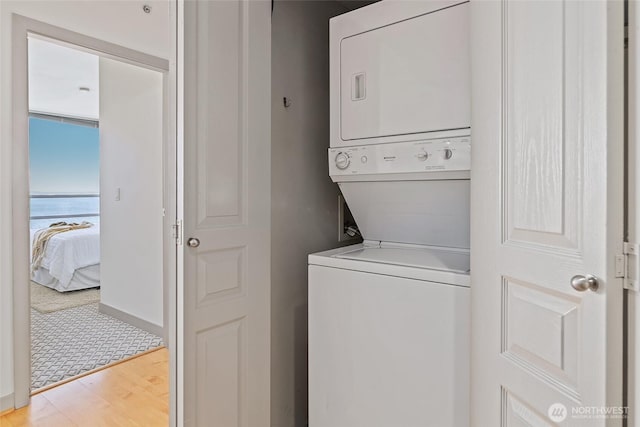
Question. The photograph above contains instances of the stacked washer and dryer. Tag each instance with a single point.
(389, 318)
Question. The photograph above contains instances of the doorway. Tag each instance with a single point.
(95, 129)
(122, 196)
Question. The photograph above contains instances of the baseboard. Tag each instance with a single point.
(132, 320)
(6, 402)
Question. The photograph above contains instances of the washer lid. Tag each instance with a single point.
(429, 258)
(430, 264)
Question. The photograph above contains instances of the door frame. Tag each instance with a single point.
(632, 220)
(22, 27)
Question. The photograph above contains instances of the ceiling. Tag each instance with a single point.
(56, 74)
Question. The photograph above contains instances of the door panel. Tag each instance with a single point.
(546, 205)
(221, 273)
(227, 208)
(543, 326)
(541, 330)
(543, 140)
(519, 414)
(219, 360)
(220, 117)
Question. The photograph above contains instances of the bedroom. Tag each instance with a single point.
(95, 149)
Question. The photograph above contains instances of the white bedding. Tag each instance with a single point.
(70, 251)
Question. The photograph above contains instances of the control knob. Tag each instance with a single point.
(447, 153)
(422, 156)
(342, 161)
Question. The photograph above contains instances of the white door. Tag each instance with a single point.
(227, 89)
(547, 204)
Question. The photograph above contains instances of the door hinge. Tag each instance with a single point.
(176, 232)
(628, 266)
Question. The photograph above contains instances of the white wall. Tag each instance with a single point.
(131, 161)
(121, 22)
(304, 200)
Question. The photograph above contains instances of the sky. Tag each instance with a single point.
(63, 157)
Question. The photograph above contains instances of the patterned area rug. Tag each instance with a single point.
(69, 342)
(47, 300)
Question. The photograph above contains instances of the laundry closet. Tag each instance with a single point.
(371, 107)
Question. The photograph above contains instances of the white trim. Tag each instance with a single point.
(20, 209)
(132, 320)
(177, 90)
(77, 41)
(632, 374)
(22, 29)
(615, 122)
(6, 402)
(173, 189)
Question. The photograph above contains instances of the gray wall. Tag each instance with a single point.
(304, 200)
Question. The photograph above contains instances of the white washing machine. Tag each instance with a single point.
(389, 319)
(389, 337)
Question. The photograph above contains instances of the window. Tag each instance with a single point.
(64, 157)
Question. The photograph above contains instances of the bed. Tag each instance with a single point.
(71, 260)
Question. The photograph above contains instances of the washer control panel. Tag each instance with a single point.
(437, 155)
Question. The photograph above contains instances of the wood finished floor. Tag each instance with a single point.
(132, 393)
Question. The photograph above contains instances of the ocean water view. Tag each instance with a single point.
(47, 209)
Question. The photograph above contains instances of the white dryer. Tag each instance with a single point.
(399, 70)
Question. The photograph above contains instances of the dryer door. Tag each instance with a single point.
(409, 77)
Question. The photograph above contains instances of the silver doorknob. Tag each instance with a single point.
(583, 283)
(193, 242)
